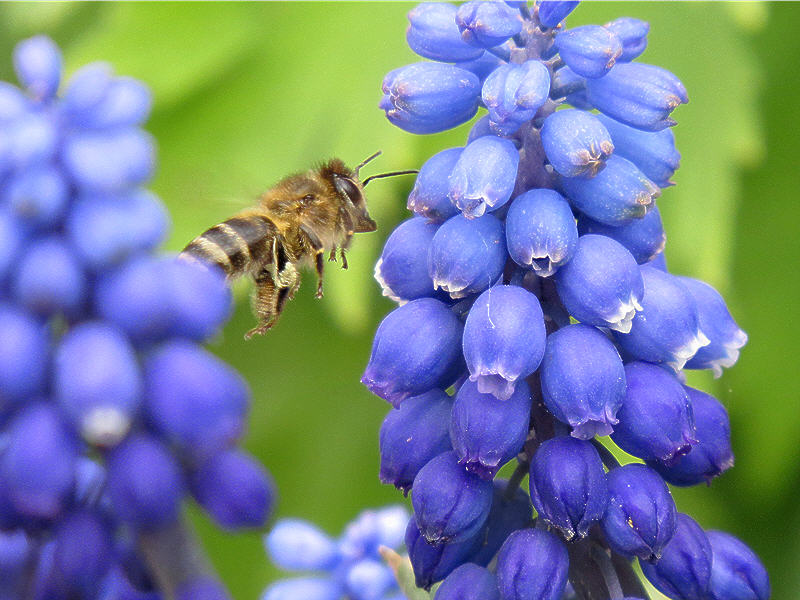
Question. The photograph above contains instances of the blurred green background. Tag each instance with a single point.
(246, 93)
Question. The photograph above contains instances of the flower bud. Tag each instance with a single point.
(589, 50)
(416, 349)
(83, 552)
(487, 24)
(480, 128)
(125, 102)
(450, 503)
(736, 571)
(684, 569)
(402, 269)
(617, 195)
(38, 196)
(372, 529)
(412, 435)
(201, 587)
(532, 565)
(653, 152)
(482, 67)
(633, 35)
(583, 380)
(49, 279)
(98, 382)
(467, 255)
(639, 95)
(504, 338)
(12, 238)
(433, 34)
(369, 579)
(307, 588)
(644, 238)
(432, 563)
(145, 482)
(16, 550)
(655, 421)
(712, 455)
(484, 175)
(601, 285)
(667, 329)
(568, 485)
(297, 545)
(430, 97)
(429, 197)
(576, 143)
(513, 93)
(552, 12)
(24, 357)
(640, 518)
(469, 582)
(38, 64)
(485, 432)
(506, 516)
(234, 489)
(540, 231)
(717, 324)
(32, 139)
(86, 89)
(193, 399)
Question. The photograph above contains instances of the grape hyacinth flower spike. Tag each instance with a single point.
(112, 412)
(547, 318)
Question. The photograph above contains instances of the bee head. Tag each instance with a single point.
(350, 188)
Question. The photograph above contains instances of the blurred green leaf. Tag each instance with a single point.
(404, 573)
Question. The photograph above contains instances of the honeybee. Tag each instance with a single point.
(295, 224)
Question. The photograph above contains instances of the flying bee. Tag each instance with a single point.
(295, 224)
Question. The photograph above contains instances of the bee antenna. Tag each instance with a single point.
(392, 174)
(366, 160)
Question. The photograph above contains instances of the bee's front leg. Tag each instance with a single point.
(332, 255)
(320, 264)
(344, 258)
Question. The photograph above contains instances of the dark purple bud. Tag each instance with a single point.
(684, 569)
(203, 587)
(416, 349)
(486, 432)
(107, 230)
(23, 355)
(568, 485)
(469, 582)
(487, 24)
(235, 490)
(37, 467)
(655, 421)
(434, 563)
(640, 518)
(433, 34)
(430, 97)
(412, 435)
(467, 255)
(552, 12)
(513, 93)
(667, 329)
(712, 455)
(617, 195)
(49, 279)
(506, 516)
(481, 128)
(639, 95)
(589, 50)
(484, 175)
(717, 324)
(633, 35)
(429, 197)
(576, 143)
(83, 552)
(450, 503)
(193, 399)
(644, 238)
(583, 380)
(402, 269)
(38, 64)
(16, 551)
(504, 338)
(653, 152)
(110, 161)
(601, 285)
(38, 196)
(736, 571)
(540, 231)
(532, 565)
(145, 483)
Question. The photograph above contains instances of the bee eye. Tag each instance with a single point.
(347, 187)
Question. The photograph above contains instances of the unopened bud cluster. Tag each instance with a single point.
(536, 312)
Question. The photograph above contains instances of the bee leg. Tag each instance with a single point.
(332, 255)
(344, 258)
(269, 299)
(320, 264)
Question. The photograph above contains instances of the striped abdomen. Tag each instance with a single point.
(240, 245)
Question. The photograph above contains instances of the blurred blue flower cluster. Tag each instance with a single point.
(111, 411)
(349, 567)
(536, 313)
